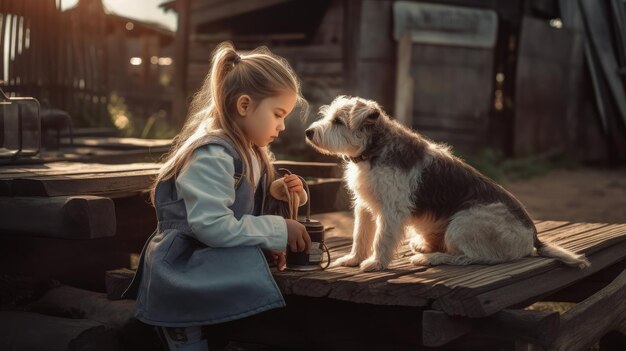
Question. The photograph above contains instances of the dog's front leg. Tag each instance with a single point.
(389, 234)
(364, 229)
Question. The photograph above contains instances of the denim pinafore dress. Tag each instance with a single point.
(181, 282)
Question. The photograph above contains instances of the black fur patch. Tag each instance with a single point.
(450, 185)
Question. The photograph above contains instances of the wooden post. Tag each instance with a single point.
(179, 110)
(351, 39)
(404, 82)
(588, 321)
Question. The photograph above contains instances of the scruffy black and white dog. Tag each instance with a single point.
(402, 182)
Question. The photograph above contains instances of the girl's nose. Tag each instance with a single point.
(280, 127)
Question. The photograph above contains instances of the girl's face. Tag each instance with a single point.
(264, 120)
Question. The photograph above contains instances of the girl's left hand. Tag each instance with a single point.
(294, 184)
(281, 261)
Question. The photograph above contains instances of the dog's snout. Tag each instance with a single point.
(309, 133)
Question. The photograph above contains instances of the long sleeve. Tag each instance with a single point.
(207, 188)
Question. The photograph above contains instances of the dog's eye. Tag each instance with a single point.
(339, 122)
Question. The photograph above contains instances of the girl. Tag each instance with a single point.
(204, 263)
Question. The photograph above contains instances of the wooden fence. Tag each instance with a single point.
(73, 60)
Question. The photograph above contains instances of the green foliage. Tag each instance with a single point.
(495, 165)
(156, 126)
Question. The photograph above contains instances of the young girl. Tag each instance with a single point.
(204, 263)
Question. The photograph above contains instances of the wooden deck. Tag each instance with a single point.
(403, 307)
(450, 296)
(475, 290)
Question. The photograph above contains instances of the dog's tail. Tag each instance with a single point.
(561, 254)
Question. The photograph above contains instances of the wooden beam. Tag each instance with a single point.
(404, 82)
(536, 327)
(351, 40)
(76, 217)
(34, 331)
(181, 49)
(583, 325)
(311, 169)
(224, 9)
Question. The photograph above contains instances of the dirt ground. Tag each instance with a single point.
(577, 195)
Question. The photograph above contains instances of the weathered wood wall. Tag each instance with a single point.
(548, 88)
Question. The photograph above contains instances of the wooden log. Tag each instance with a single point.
(68, 300)
(33, 331)
(536, 327)
(116, 281)
(583, 325)
(73, 217)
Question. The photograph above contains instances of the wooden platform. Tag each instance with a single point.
(464, 293)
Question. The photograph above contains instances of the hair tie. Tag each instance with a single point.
(237, 59)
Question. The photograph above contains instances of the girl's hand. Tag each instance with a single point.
(279, 258)
(294, 184)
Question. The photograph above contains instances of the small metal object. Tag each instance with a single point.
(20, 127)
(312, 260)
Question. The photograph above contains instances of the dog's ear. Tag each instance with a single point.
(372, 117)
(365, 113)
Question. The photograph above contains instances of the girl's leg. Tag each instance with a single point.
(184, 339)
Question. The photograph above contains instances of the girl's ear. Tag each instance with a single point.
(243, 105)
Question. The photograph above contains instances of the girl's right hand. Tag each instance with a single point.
(298, 238)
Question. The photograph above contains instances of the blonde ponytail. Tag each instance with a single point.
(259, 74)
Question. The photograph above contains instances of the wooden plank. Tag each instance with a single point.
(404, 284)
(70, 168)
(534, 287)
(584, 324)
(536, 327)
(87, 183)
(118, 143)
(556, 236)
(78, 217)
(95, 155)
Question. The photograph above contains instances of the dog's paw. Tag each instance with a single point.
(419, 260)
(347, 261)
(372, 264)
(417, 245)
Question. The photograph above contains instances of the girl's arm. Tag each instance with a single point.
(207, 188)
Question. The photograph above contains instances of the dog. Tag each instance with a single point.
(402, 182)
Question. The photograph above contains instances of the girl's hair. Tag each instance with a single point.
(259, 74)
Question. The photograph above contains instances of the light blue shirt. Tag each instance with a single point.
(207, 188)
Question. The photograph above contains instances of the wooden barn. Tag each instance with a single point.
(474, 74)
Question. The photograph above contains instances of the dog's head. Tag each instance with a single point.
(346, 126)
